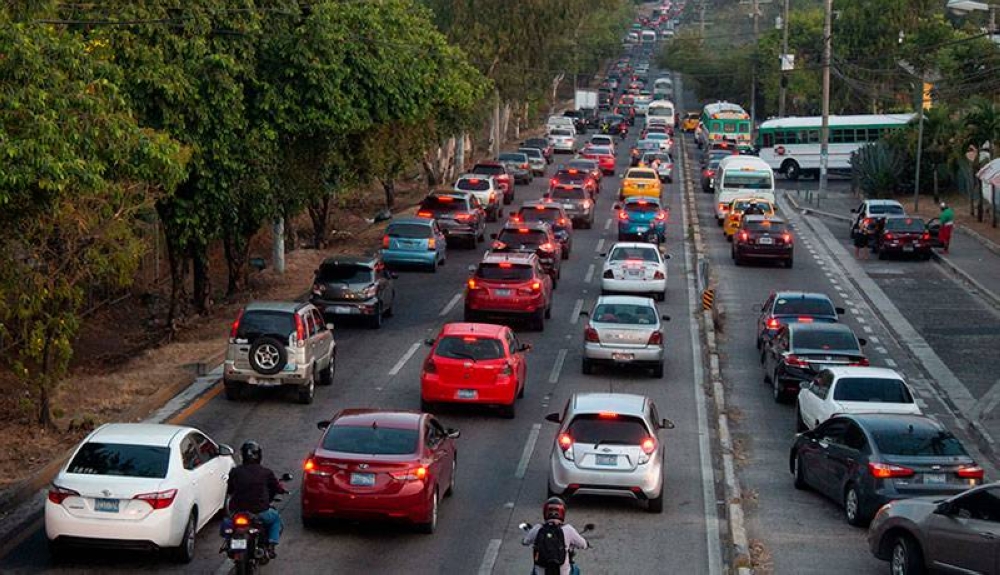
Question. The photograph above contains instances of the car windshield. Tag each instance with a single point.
(886, 209)
(473, 184)
(587, 165)
(469, 347)
(122, 460)
(825, 339)
(882, 390)
(370, 439)
(641, 175)
(601, 140)
(531, 152)
(624, 313)
(443, 204)
(574, 193)
(634, 253)
(516, 158)
(607, 428)
(763, 226)
(914, 441)
(535, 143)
(408, 231)
(504, 271)
(522, 237)
(488, 169)
(803, 306)
(566, 178)
(747, 180)
(599, 151)
(254, 323)
(648, 158)
(346, 273)
(647, 144)
(904, 224)
(539, 214)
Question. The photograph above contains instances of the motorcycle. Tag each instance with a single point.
(245, 539)
(573, 569)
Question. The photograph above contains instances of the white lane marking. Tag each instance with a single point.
(406, 357)
(225, 568)
(490, 557)
(881, 350)
(451, 304)
(873, 339)
(590, 274)
(867, 329)
(890, 362)
(529, 448)
(600, 245)
(557, 366)
(607, 225)
(861, 320)
(575, 316)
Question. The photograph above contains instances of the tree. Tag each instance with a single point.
(78, 172)
(982, 122)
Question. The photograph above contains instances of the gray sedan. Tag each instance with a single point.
(519, 166)
(624, 330)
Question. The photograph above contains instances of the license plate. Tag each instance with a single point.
(765, 241)
(622, 356)
(344, 309)
(567, 206)
(502, 292)
(238, 544)
(907, 248)
(106, 505)
(934, 478)
(642, 229)
(640, 186)
(363, 479)
(468, 394)
(607, 460)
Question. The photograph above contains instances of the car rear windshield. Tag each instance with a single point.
(625, 313)
(408, 231)
(473, 184)
(648, 158)
(255, 323)
(601, 140)
(642, 175)
(609, 428)
(370, 439)
(886, 209)
(883, 390)
(747, 180)
(532, 152)
(764, 226)
(539, 215)
(561, 133)
(904, 224)
(825, 339)
(516, 158)
(443, 204)
(489, 170)
(121, 460)
(501, 272)
(644, 207)
(644, 254)
(535, 143)
(567, 178)
(522, 237)
(599, 151)
(913, 441)
(583, 165)
(346, 273)
(803, 306)
(570, 193)
(469, 347)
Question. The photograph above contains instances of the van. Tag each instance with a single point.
(560, 123)
(663, 88)
(739, 177)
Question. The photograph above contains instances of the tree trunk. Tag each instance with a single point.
(237, 249)
(937, 197)
(201, 296)
(389, 187)
(44, 383)
(178, 284)
(319, 212)
(504, 122)
(460, 153)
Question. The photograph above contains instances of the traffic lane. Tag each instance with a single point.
(795, 527)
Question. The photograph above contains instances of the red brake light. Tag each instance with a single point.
(505, 265)
(795, 361)
(241, 520)
(385, 242)
(772, 323)
(236, 325)
(446, 198)
(658, 275)
(607, 415)
(413, 474)
(432, 243)
(804, 319)
(159, 499)
(425, 214)
(888, 470)
(970, 472)
(472, 283)
(623, 215)
(926, 236)
(300, 330)
(470, 339)
(661, 216)
(553, 181)
(655, 338)
(787, 237)
(430, 366)
(536, 286)
(547, 247)
(888, 236)
(648, 446)
(565, 441)
(590, 334)
(863, 362)
(572, 170)
(309, 465)
(463, 217)
(744, 236)
(473, 180)
(59, 494)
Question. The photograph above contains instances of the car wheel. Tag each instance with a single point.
(660, 296)
(906, 557)
(307, 392)
(491, 216)
(800, 476)
(655, 505)
(729, 238)
(451, 482)
(431, 524)
(326, 374)
(508, 199)
(184, 552)
(426, 406)
(777, 391)
(852, 508)
(234, 390)
(509, 411)
(763, 357)
(310, 522)
(555, 281)
(520, 391)
(469, 317)
(587, 367)
(540, 321)
(658, 371)
(565, 253)
(433, 268)
(375, 321)
(789, 263)
(792, 170)
(548, 312)
(881, 254)
(471, 243)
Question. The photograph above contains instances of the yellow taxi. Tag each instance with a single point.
(736, 209)
(690, 123)
(641, 182)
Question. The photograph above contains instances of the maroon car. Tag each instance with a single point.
(763, 238)
(904, 236)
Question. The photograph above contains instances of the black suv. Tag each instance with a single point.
(786, 307)
(355, 286)
(801, 350)
(532, 237)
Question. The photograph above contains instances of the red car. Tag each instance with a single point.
(478, 363)
(373, 464)
(605, 158)
(509, 284)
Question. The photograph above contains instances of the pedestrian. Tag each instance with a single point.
(876, 239)
(861, 243)
(947, 220)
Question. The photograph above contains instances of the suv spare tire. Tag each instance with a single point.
(268, 355)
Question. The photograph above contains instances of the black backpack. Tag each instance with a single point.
(550, 548)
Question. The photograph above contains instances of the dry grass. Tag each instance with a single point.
(761, 560)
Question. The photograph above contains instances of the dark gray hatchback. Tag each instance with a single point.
(359, 286)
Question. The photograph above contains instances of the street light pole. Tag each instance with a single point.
(784, 50)
(753, 83)
(824, 134)
(920, 151)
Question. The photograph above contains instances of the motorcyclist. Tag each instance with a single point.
(554, 513)
(251, 488)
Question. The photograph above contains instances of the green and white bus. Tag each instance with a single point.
(791, 145)
(724, 121)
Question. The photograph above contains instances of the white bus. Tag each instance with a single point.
(663, 88)
(791, 145)
(648, 37)
(741, 176)
(663, 109)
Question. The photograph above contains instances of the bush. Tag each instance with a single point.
(877, 169)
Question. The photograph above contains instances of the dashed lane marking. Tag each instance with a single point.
(529, 448)
(575, 315)
(490, 557)
(406, 357)
(590, 274)
(557, 366)
(450, 305)
(607, 224)
(890, 362)
(600, 246)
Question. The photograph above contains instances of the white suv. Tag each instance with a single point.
(607, 445)
(486, 189)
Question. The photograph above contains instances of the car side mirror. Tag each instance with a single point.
(617, 206)
(854, 210)
(840, 311)
(553, 417)
(945, 508)
(546, 195)
(666, 424)
(472, 268)
(603, 254)
(429, 342)
(667, 256)
(665, 317)
(862, 341)
(286, 477)
(588, 528)
(226, 450)
(322, 425)
(524, 347)
(493, 236)
(453, 433)
(329, 326)
(584, 313)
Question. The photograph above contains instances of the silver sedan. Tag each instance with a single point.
(624, 330)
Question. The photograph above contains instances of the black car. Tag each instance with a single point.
(763, 238)
(552, 214)
(579, 120)
(458, 214)
(532, 237)
(355, 286)
(863, 461)
(786, 307)
(801, 350)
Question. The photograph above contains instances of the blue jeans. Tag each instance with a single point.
(272, 522)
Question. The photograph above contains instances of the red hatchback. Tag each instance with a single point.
(509, 284)
(478, 363)
(604, 157)
(373, 464)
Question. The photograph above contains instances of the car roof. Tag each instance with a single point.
(137, 433)
(464, 328)
(622, 403)
(513, 257)
(412, 221)
(643, 200)
(342, 260)
(883, 203)
(625, 300)
(800, 295)
(899, 422)
(400, 419)
(875, 372)
(830, 327)
(285, 306)
(474, 177)
(759, 218)
(512, 225)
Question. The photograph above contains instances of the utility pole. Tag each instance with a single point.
(784, 50)
(753, 83)
(824, 134)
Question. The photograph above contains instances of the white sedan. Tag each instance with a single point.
(838, 390)
(635, 268)
(141, 486)
(665, 141)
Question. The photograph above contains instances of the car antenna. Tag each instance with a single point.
(375, 425)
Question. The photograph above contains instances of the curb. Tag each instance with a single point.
(987, 243)
(741, 560)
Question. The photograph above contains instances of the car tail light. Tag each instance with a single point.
(744, 236)
(159, 499)
(587, 204)
(787, 237)
(655, 338)
(432, 244)
(425, 214)
(59, 494)
(773, 323)
(888, 470)
(565, 444)
(413, 474)
(970, 472)
(236, 325)
(888, 236)
(300, 331)
(723, 207)
(463, 217)
(524, 166)
(866, 222)
(536, 286)
(562, 222)
(553, 182)
(318, 288)
(623, 215)
(430, 366)
(547, 247)
(662, 216)
(472, 284)
(508, 369)
(658, 275)
(385, 242)
(863, 362)
(648, 446)
(795, 361)
(241, 520)
(590, 335)
(804, 319)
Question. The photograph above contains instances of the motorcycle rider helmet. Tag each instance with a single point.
(554, 508)
(251, 452)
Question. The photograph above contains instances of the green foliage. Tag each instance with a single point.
(877, 168)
